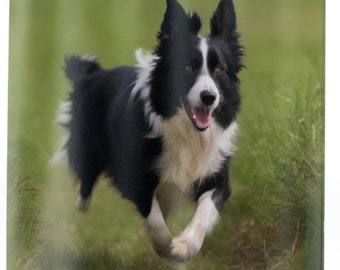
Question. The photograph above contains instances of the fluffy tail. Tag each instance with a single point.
(78, 67)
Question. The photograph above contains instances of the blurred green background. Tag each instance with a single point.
(273, 220)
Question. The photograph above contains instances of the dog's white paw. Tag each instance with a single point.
(184, 247)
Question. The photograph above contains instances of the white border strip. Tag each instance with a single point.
(4, 34)
(332, 176)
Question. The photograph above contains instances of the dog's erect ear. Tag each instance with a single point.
(177, 21)
(223, 22)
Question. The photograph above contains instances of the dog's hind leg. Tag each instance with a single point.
(83, 204)
(86, 159)
(86, 172)
(84, 195)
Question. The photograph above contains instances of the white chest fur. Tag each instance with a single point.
(189, 155)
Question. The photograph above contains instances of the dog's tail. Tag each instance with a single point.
(77, 67)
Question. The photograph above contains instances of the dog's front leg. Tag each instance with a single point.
(189, 242)
(158, 230)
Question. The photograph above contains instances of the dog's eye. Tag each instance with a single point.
(218, 70)
(189, 69)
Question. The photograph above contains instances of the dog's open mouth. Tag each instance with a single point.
(199, 116)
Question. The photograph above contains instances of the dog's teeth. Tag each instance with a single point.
(194, 116)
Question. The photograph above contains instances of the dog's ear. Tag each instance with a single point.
(177, 21)
(223, 22)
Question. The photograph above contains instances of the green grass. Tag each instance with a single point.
(274, 218)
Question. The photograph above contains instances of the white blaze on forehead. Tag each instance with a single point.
(204, 49)
(204, 81)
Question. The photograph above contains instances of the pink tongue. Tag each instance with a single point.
(202, 116)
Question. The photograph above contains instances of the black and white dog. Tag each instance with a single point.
(168, 121)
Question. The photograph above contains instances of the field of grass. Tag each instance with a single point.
(274, 218)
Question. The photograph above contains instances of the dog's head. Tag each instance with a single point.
(197, 75)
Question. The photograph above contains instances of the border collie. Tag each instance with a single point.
(168, 121)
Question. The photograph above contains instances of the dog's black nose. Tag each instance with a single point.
(207, 97)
